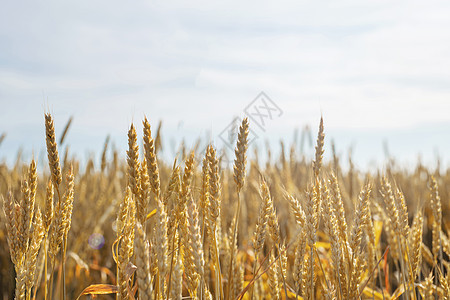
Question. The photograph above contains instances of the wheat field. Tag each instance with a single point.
(286, 228)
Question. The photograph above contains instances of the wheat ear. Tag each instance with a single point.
(143, 275)
(133, 161)
(239, 176)
(261, 224)
(317, 164)
(142, 197)
(331, 229)
(338, 206)
(415, 242)
(52, 151)
(150, 156)
(435, 202)
(214, 214)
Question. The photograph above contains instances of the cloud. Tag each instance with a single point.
(378, 65)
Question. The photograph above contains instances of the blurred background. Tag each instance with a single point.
(378, 72)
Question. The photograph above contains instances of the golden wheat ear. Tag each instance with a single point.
(133, 161)
(241, 155)
(52, 151)
(150, 156)
(317, 164)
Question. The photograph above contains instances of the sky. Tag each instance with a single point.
(377, 71)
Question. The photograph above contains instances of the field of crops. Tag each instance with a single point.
(194, 228)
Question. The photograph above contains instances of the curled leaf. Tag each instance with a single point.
(99, 289)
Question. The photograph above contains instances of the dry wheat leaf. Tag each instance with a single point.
(368, 292)
(151, 214)
(99, 289)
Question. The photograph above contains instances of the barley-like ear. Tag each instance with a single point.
(241, 155)
(317, 164)
(52, 151)
(150, 156)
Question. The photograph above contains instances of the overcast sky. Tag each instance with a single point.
(376, 70)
